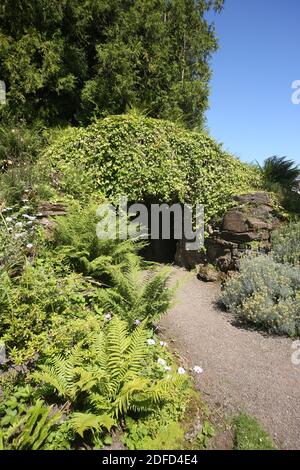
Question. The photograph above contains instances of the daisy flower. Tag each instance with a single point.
(198, 370)
(151, 342)
(161, 361)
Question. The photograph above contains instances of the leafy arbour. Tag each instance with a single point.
(144, 159)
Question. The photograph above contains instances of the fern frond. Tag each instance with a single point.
(32, 430)
(123, 401)
(117, 344)
(137, 350)
(82, 422)
(59, 375)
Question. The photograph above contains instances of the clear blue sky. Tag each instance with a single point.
(251, 110)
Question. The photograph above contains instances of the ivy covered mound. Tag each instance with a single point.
(147, 160)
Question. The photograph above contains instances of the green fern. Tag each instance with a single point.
(82, 422)
(76, 243)
(107, 376)
(136, 294)
(31, 430)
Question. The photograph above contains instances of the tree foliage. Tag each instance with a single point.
(71, 60)
(280, 171)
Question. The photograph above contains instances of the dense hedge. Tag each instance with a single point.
(146, 159)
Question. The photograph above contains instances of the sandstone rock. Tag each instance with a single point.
(263, 212)
(187, 259)
(207, 273)
(254, 198)
(252, 221)
(257, 224)
(48, 209)
(234, 221)
(227, 263)
(245, 237)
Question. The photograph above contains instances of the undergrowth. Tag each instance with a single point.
(77, 327)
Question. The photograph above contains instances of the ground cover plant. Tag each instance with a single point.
(266, 291)
(249, 434)
(286, 244)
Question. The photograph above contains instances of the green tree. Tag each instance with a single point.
(280, 176)
(72, 60)
(280, 171)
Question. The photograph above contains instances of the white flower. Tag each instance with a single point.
(161, 361)
(29, 222)
(163, 343)
(25, 200)
(26, 216)
(9, 219)
(31, 217)
(181, 371)
(29, 246)
(19, 224)
(198, 370)
(167, 368)
(20, 235)
(137, 322)
(151, 342)
(107, 317)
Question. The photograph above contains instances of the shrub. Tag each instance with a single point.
(19, 237)
(266, 294)
(286, 244)
(19, 143)
(33, 304)
(20, 147)
(147, 160)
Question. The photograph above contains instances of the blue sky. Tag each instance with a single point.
(251, 110)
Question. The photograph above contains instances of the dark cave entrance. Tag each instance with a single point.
(160, 250)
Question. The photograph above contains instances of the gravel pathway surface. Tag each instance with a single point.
(244, 370)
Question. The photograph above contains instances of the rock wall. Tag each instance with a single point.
(246, 226)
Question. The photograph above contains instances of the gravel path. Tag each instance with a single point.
(243, 369)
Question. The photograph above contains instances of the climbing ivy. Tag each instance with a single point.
(147, 160)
